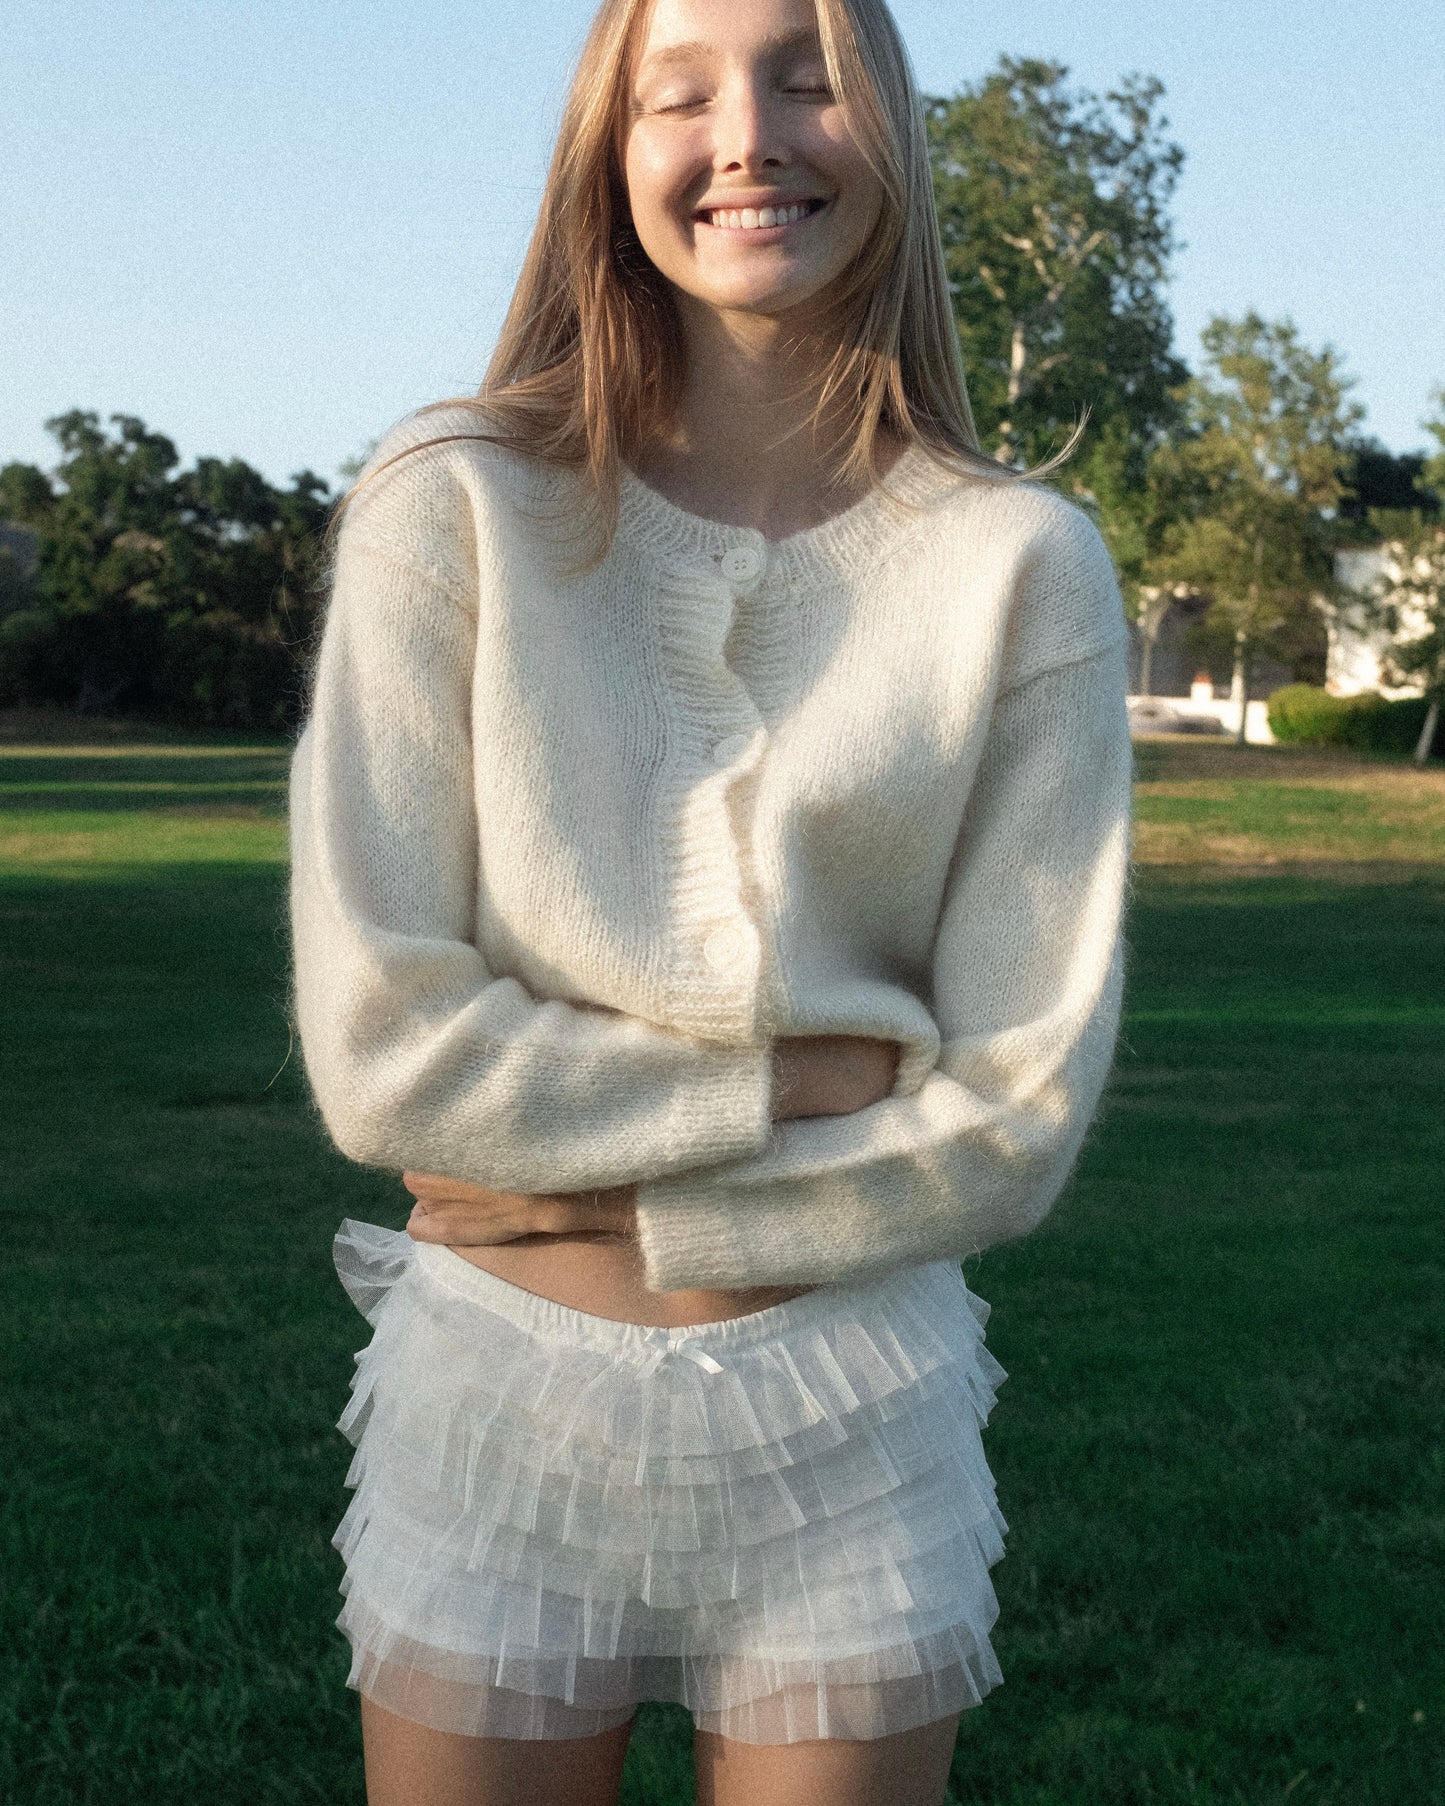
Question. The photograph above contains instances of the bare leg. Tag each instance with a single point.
(411, 1765)
(908, 1769)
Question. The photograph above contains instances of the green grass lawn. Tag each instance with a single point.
(1218, 1449)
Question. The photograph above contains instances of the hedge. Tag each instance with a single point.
(1311, 717)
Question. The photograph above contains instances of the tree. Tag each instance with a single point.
(1376, 478)
(183, 595)
(1251, 489)
(1134, 517)
(1431, 480)
(1053, 210)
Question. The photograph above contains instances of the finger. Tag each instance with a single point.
(451, 1231)
(432, 1183)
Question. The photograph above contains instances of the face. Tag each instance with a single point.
(747, 189)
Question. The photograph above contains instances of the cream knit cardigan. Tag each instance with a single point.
(570, 851)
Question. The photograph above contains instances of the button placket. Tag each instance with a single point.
(719, 955)
(727, 947)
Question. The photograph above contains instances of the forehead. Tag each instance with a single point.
(676, 27)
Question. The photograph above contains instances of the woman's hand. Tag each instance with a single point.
(831, 1075)
(813, 1075)
(460, 1215)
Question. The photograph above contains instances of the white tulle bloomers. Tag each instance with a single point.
(785, 1520)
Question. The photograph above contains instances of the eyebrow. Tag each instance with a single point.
(803, 37)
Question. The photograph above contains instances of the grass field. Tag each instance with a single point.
(1218, 1449)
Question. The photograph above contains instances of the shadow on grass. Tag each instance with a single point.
(155, 778)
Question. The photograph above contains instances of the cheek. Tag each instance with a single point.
(839, 154)
(655, 175)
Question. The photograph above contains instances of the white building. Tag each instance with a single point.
(1353, 662)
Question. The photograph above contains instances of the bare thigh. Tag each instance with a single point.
(410, 1765)
(908, 1769)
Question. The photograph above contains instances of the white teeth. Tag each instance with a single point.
(753, 219)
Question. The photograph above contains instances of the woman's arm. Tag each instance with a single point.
(813, 1075)
(419, 1056)
(1027, 983)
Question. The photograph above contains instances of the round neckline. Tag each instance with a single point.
(853, 536)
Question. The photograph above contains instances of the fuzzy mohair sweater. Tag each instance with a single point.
(572, 848)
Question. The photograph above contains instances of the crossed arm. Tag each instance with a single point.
(813, 1075)
(417, 1052)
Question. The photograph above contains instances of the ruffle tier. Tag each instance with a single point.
(785, 1520)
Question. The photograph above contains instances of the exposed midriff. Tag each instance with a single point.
(603, 1276)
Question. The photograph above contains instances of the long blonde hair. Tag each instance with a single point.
(590, 363)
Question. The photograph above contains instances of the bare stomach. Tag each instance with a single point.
(603, 1275)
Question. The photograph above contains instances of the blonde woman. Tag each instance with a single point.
(709, 836)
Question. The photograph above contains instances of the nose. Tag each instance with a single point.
(747, 129)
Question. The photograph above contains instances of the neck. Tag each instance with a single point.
(748, 445)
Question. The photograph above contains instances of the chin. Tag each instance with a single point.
(755, 298)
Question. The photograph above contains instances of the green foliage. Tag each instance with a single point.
(1307, 716)
(26, 497)
(1250, 489)
(1375, 479)
(1053, 209)
(1302, 714)
(185, 596)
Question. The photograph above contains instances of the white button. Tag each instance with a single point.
(724, 947)
(740, 564)
(727, 750)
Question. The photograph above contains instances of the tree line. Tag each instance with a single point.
(194, 595)
(184, 595)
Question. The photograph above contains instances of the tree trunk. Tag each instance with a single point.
(1154, 606)
(1008, 449)
(1017, 357)
(1427, 732)
(1241, 643)
(1240, 684)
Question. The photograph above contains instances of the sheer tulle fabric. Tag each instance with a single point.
(784, 1521)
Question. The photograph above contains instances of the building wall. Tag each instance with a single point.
(1352, 664)
(1176, 662)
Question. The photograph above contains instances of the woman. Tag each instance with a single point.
(709, 837)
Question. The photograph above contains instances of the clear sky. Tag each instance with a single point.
(270, 227)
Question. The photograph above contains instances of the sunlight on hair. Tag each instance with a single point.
(589, 365)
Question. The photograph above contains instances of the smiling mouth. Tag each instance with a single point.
(758, 219)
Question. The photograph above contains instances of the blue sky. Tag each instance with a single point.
(270, 227)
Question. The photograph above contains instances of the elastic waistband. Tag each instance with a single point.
(562, 1322)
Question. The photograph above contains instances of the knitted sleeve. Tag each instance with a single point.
(1027, 979)
(417, 1054)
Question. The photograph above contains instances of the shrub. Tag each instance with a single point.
(1311, 717)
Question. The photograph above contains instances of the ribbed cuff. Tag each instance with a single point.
(689, 1239)
(725, 1103)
